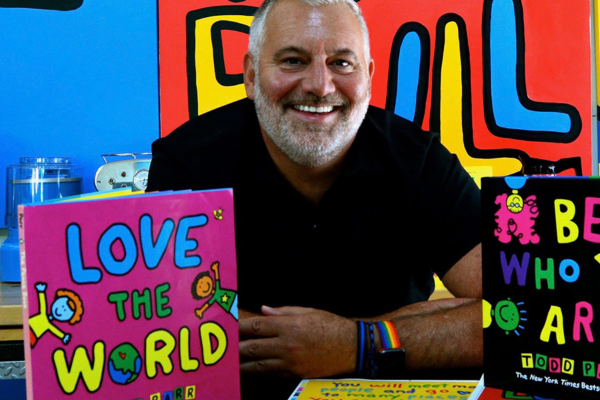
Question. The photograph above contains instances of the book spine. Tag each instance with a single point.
(25, 302)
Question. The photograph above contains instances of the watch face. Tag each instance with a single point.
(389, 363)
(140, 179)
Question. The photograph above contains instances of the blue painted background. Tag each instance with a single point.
(78, 83)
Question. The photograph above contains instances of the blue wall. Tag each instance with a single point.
(78, 83)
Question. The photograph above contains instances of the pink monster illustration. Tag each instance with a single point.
(516, 218)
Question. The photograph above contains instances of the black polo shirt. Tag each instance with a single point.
(402, 208)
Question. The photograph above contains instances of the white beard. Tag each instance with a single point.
(311, 145)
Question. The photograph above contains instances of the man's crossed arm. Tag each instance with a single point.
(309, 343)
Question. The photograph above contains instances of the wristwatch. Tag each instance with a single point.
(389, 361)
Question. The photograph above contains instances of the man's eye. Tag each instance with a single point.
(292, 61)
(341, 63)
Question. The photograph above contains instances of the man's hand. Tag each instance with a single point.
(297, 342)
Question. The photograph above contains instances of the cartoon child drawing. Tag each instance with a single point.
(204, 286)
(67, 307)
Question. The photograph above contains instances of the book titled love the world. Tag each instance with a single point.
(131, 297)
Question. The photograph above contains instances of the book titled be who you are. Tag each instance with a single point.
(541, 285)
(131, 298)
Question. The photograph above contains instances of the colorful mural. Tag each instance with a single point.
(506, 82)
(201, 46)
(495, 78)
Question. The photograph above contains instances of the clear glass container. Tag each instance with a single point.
(37, 179)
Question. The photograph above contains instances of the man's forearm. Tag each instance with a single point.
(440, 334)
(308, 343)
(423, 308)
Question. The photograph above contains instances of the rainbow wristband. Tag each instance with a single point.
(388, 335)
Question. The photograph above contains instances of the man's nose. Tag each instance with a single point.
(318, 80)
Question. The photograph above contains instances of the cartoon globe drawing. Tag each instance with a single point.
(124, 364)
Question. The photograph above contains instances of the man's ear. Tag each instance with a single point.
(371, 68)
(249, 75)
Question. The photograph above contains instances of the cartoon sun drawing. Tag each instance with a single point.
(507, 314)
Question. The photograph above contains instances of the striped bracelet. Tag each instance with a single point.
(388, 334)
(360, 347)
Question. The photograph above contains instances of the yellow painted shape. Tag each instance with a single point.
(487, 313)
(438, 283)
(451, 127)
(211, 94)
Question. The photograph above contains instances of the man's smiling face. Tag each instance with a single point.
(312, 83)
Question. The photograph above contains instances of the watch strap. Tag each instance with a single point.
(388, 335)
(389, 361)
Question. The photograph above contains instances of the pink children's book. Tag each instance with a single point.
(130, 298)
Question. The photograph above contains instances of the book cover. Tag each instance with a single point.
(541, 268)
(132, 297)
(351, 389)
